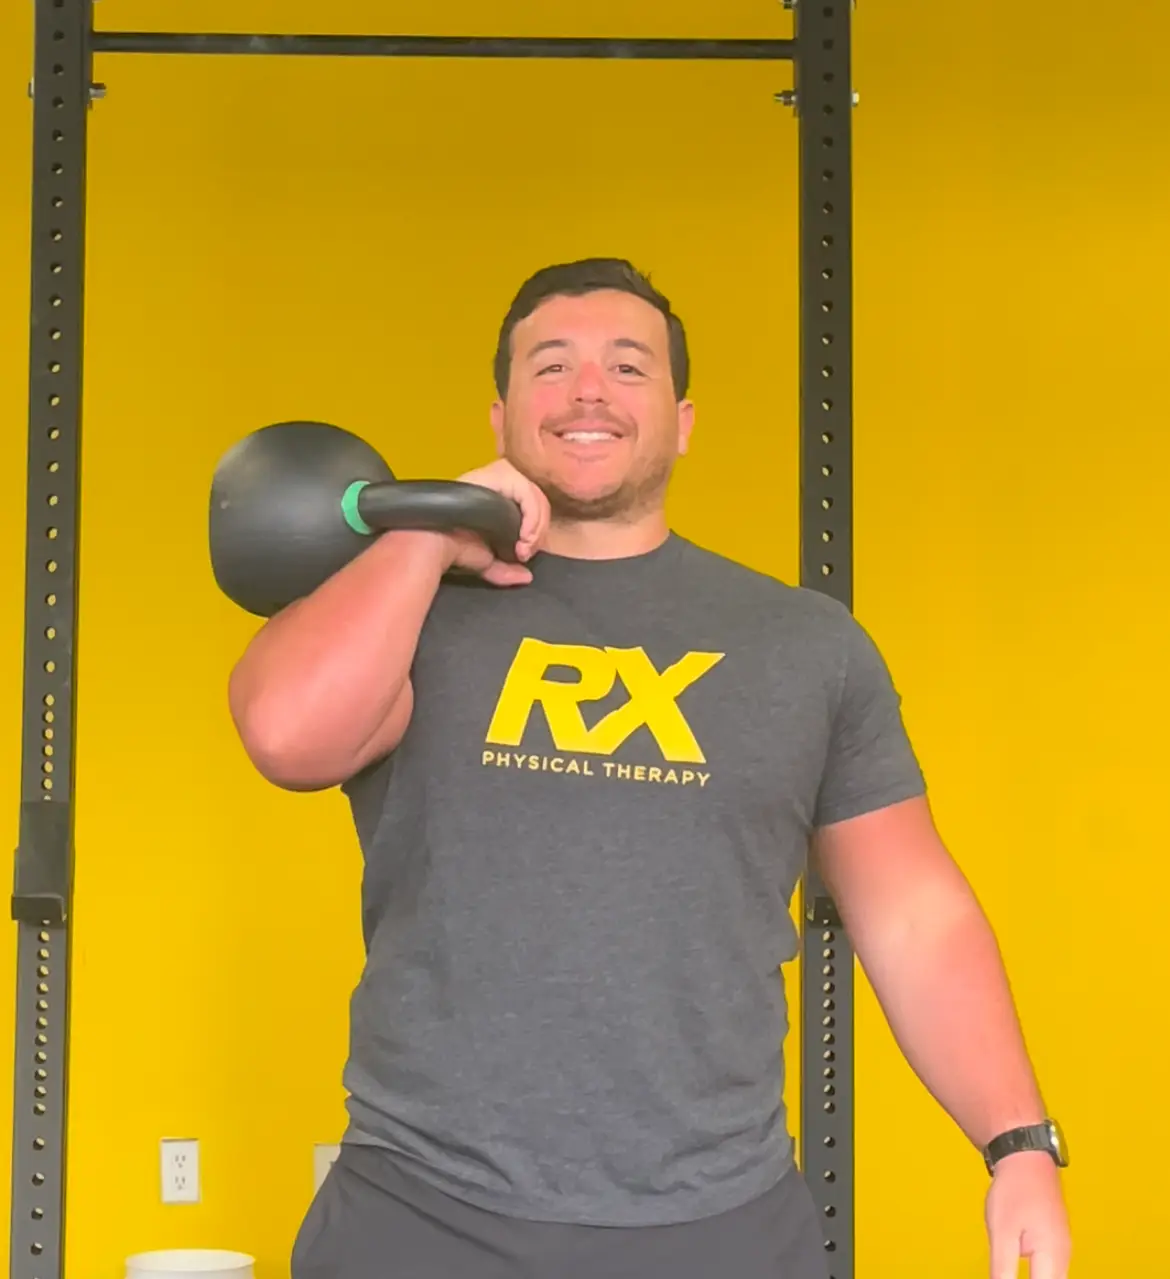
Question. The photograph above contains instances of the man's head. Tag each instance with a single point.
(592, 373)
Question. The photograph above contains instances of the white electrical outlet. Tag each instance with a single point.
(180, 1171)
(323, 1157)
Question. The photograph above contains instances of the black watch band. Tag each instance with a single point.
(1046, 1137)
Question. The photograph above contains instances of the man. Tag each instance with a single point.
(585, 785)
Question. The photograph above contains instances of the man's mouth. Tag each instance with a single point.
(589, 435)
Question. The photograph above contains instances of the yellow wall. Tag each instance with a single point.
(274, 238)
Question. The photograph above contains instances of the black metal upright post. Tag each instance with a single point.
(41, 900)
(823, 100)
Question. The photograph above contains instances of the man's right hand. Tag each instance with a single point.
(470, 553)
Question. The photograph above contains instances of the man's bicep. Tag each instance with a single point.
(870, 762)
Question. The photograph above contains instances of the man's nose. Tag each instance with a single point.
(590, 386)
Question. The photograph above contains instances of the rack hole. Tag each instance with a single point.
(58, 135)
(52, 499)
(58, 68)
(828, 175)
(55, 267)
(51, 534)
(827, 141)
(827, 241)
(54, 434)
(58, 103)
(57, 168)
(50, 600)
(51, 566)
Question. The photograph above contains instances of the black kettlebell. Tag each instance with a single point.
(294, 502)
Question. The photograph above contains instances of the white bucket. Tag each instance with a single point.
(209, 1263)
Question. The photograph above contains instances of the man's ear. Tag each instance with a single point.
(497, 416)
(686, 424)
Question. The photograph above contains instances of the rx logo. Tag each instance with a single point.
(652, 698)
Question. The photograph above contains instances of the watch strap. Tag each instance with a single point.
(1028, 1137)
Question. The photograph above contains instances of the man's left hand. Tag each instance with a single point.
(1026, 1217)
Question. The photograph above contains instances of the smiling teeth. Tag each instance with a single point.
(586, 436)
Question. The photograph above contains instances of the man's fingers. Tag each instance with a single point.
(1005, 1255)
(500, 574)
(1047, 1266)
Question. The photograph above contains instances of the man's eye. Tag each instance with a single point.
(551, 368)
(628, 369)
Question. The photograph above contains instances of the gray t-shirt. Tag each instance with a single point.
(579, 864)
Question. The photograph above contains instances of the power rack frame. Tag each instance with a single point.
(63, 91)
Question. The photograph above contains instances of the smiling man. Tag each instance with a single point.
(585, 786)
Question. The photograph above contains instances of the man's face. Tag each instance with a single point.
(591, 415)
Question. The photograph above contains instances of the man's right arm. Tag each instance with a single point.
(323, 690)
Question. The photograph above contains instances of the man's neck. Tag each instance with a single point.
(605, 539)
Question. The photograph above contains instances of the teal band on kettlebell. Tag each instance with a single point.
(349, 508)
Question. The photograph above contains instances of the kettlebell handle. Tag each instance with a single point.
(371, 507)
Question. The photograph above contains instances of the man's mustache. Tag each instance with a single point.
(600, 414)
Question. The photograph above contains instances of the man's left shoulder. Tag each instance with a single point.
(713, 574)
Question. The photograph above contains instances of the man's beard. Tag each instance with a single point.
(635, 495)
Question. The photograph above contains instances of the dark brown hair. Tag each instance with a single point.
(589, 275)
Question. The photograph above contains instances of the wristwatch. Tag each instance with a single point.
(1046, 1137)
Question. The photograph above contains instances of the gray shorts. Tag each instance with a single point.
(370, 1220)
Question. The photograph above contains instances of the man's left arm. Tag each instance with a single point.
(932, 959)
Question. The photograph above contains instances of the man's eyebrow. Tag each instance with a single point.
(560, 344)
(634, 345)
(549, 344)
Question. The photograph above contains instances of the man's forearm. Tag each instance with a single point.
(946, 996)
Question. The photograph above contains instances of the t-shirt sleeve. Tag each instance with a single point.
(871, 762)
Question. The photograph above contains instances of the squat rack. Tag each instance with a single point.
(63, 91)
